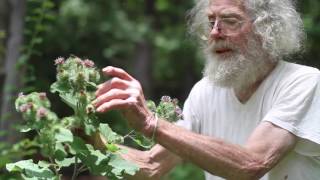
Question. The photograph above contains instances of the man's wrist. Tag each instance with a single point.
(151, 126)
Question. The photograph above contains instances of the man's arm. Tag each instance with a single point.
(263, 150)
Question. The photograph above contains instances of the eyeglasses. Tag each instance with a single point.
(227, 26)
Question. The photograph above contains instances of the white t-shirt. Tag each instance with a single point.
(289, 98)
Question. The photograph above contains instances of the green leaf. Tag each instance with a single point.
(65, 162)
(25, 129)
(147, 145)
(60, 153)
(30, 169)
(142, 141)
(64, 135)
(69, 99)
(95, 160)
(79, 146)
(122, 166)
(112, 147)
(109, 135)
(89, 128)
(44, 164)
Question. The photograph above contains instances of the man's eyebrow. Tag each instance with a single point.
(230, 14)
(224, 14)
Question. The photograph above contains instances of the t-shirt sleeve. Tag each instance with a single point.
(297, 109)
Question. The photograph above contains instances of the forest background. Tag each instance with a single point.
(147, 38)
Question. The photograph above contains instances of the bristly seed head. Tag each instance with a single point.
(42, 95)
(179, 113)
(59, 60)
(166, 99)
(175, 101)
(88, 63)
(42, 112)
(23, 108)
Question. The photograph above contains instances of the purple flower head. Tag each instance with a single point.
(166, 99)
(23, 108)
(42, 112)
(175, 101)
(42, 95)
(88, 63)
(179, 112)
(59, 60)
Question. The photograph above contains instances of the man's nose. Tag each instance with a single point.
(216, 32)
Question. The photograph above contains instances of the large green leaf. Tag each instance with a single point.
(65, 162)
(121, 166)
(95, 160)
(60, 152)
(63, 135)
(31, 170)
(69, 99)
(109, 135)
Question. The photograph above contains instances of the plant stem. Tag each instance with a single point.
(128, 135)
(74, 175)
(54, 167)
(82, 169)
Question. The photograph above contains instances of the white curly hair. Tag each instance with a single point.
(276, 21)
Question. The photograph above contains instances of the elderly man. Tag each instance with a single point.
(252, 116)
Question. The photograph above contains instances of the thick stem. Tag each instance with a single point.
(54, 167)
(75, 173)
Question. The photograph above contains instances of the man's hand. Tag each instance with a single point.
(124, 92)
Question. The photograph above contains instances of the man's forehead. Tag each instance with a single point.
(231, 2)
(227, 6)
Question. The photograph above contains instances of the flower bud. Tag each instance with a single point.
(63, 76)
(90, 109)
(179, 113)
(58, 61)
(42, 96)
(165, 99)
(88, 63)
(175, 101)
(42, 112)
(23, 108)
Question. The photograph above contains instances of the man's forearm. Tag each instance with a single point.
(211, 154)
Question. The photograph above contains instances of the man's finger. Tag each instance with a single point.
(111, 84)
(117, 72)
(114, 104)
(112, 94)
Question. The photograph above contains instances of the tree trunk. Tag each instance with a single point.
(3, 30)
(142, 66)
(12, 78)
(143, 60)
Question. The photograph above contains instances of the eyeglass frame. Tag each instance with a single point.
(223, 29)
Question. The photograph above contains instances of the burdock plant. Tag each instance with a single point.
(59, 144)
(59, 140)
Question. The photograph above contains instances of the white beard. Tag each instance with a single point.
(235, 70)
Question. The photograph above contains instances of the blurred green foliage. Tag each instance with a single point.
(111, 33)
(310, 10)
